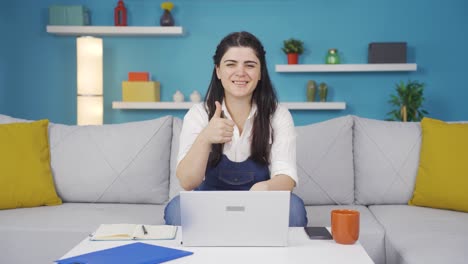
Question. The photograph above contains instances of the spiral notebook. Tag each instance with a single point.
(134, 232)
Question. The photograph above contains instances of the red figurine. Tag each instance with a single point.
(120, 14)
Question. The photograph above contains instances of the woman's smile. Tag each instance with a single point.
(240, 83)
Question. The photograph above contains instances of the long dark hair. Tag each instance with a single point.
(264, 96)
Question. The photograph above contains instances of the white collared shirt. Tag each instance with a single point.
(283, 150)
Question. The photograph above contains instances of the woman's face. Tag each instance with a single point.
(239, 72)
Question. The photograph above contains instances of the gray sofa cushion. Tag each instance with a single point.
(386, 158)
(4, 119)
(79, 217)
(423, 235)
(122, 163)
(118, 163)
(44, 234)
(174, 186)
(325, 158)
(371, 234)
(37, 246)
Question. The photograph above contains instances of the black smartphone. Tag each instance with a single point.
(318, 232)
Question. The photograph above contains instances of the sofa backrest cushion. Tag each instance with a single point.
(325, 162)
(174, 186)
(386, 158)
(4, 119)
(118, 163)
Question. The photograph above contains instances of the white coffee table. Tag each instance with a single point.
(300, 250)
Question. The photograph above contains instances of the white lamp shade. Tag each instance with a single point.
(90, 109)
(89, 80)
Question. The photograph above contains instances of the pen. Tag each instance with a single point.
(144, 229)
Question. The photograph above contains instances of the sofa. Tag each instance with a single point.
(125, 173)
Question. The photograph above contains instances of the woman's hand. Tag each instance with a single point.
(260, 186)
(219, 129)
(280, 182)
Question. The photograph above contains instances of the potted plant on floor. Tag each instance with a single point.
(293, 48)
(408, 101)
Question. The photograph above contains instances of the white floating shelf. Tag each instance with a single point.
(315, 105)
(151, 105)
(380, 67)
(114, 31)
(187, 105)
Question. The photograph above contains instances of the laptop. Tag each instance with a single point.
(234, 218)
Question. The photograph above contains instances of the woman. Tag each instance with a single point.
(239, 138)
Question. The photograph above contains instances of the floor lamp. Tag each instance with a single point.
(89, 81)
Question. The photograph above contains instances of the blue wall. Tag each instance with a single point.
(4, 47)
(40, 80)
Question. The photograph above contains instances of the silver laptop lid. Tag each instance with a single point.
(234, 218)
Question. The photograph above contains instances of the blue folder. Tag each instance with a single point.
(136, 253)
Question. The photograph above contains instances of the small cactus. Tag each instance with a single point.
(323, 92)
(311, 90)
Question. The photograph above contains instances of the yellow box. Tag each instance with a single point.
(141, 91)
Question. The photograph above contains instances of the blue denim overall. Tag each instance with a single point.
(236, 176)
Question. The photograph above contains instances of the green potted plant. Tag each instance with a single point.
(293, 48)
(408, 101)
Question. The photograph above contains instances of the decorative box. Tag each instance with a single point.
(387, 52)
(138, 76)
(69, 15)
(141, 91)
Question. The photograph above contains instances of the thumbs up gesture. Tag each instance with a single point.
(219, 130)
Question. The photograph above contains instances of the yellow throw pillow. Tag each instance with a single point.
(25, 173)
(442, 180)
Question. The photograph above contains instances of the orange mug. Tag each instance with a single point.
(345, 226)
